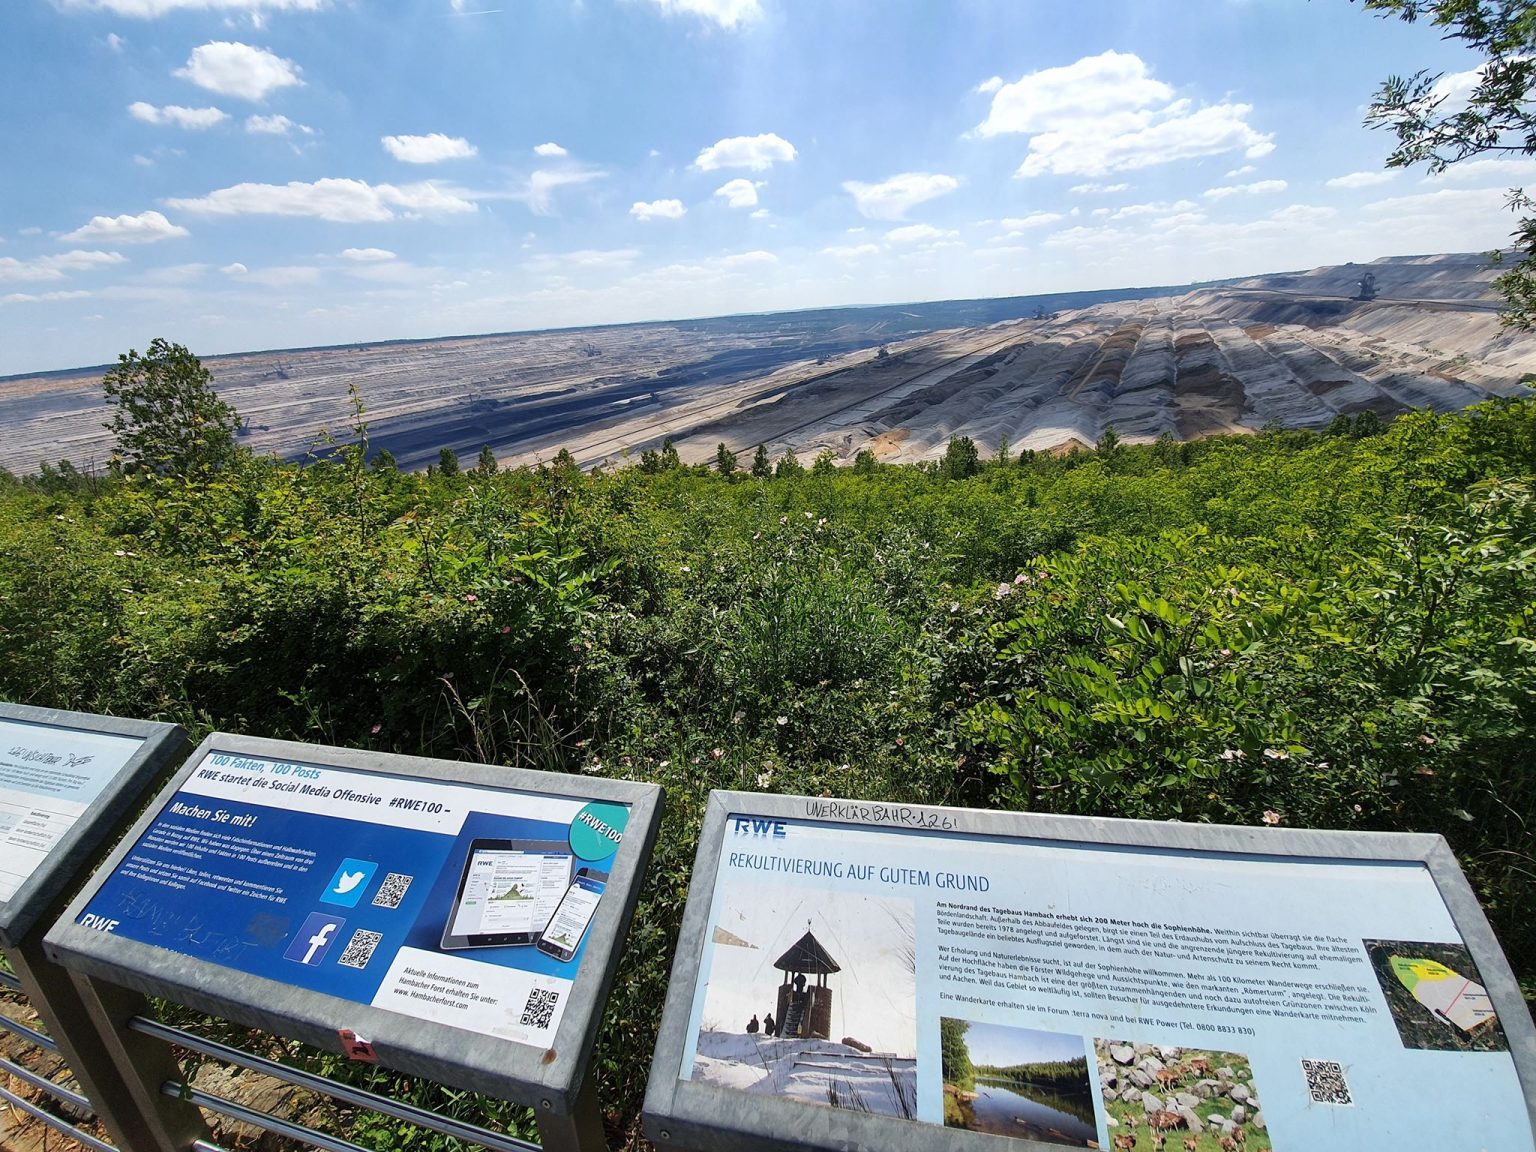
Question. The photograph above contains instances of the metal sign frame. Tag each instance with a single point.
(689, 1114)
(549, 1080)
(60, 872)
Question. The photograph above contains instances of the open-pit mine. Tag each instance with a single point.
(1295, 349)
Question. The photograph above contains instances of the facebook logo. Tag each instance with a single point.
(349, 883)
(315, 938)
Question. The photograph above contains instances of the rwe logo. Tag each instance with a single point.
(757, 826)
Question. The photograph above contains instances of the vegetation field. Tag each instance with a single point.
(1294, 629)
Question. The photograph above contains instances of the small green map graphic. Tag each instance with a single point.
(512, 893)
(1447, 993)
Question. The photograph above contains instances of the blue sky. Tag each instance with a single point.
(243, 174)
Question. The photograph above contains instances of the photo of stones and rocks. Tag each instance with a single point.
(1017, 1082)
(1436, 996)
(1159, 1096)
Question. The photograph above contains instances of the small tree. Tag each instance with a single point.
(447, 462)
(865, 462)
(788, 465)
(961, 458)
(1004, 449)
(486, 465)
(669, 457)
(825, 463)
(1108, 446)
(762, 468)
(725, 460)
(165, 414)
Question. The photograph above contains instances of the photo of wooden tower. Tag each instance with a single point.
(804, 1008)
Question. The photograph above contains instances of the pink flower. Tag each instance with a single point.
(470, 598)
(1271, 816)
(505, 628)
(376, 729)
(1002, 591)
(1021, 578)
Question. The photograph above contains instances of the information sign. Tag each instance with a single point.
(418, 892)
(859, 975)
(67, 780)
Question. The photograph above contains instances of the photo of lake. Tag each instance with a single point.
(1017, 1082)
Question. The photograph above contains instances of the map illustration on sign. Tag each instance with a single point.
(422, 897)
(1092, 994)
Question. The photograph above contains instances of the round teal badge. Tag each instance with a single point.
(598, 829)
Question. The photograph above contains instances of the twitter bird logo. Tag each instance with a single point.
(349, 883)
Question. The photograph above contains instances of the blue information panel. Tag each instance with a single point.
(447, 902)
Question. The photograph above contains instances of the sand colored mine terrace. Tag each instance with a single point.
(1294, 348)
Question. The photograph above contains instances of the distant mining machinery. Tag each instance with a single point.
(1367, 287)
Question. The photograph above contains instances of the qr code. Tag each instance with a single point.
(540, 1008)
(1325, 1081)
(360, 948)
(392, 891)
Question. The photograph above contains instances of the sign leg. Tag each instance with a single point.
(581, 1131)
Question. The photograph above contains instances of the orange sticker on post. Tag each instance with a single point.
(356, 1047)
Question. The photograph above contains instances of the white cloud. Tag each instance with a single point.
(755, 153)
(430, 149)
(337, 200)
(115, 42)
(747, 259)
(1302, 214)
(739, 193)
(233, 69)
(191, 118)
(58, 266)
(145, 228)
(367, 255)
(851, 251)
(761, 214)
(890, 199)
(540, 193)
(1096, 189)
(726, 13)
(147, 9)
(657, 209)
(282, 276)
(918, 233)
(551, 149)
(42, 297)
(989, 85)
(585, 258)
(1504, 173)
(1154, 208)
(1257, 188)
(1106, 113)
(235, 269)
(275, 126)
(1454, 88)
(1447, 203)
(1241, 171)
(1017, 224)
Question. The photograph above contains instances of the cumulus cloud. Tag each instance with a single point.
(235, 269)
(1500, 172)
(1096, 189)
(148, 9)
(747, 259)
(1017, 224)
(989, 85)
(1107, 113)
(890, 199)
(657, 209)
(145, 228)
(275, 126)
(58, 266)
(1257, 188)
(851, 251)
(542, 185)
(739, 193)
(430, 149)
(1242, 170)
(1154, 208)
(336, 200)
(917, 234)
(191, 118)
(755, 153)
(726, 13)
(367, 255)
(585, 258)
(43, 297)
(550, 149)
(233, 69)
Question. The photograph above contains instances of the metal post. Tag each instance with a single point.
(579, 1131)
(121, 1071)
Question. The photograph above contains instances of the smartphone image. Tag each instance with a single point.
(507, 893)
(569, 923)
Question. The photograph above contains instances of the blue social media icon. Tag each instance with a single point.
(314, 939)
(351, 880)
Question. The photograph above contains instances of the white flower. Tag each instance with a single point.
(684, 568)
(764, 779)
(1276, 754)
(1232, 754)
(1021, 578)
(1002, 591)
(783, 720)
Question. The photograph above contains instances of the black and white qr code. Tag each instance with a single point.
(1326, 1083)
(540, 1008)
(359, 949)
(392, 891)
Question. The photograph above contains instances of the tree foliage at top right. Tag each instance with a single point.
(1437, 126)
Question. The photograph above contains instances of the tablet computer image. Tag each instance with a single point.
(507, 892)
